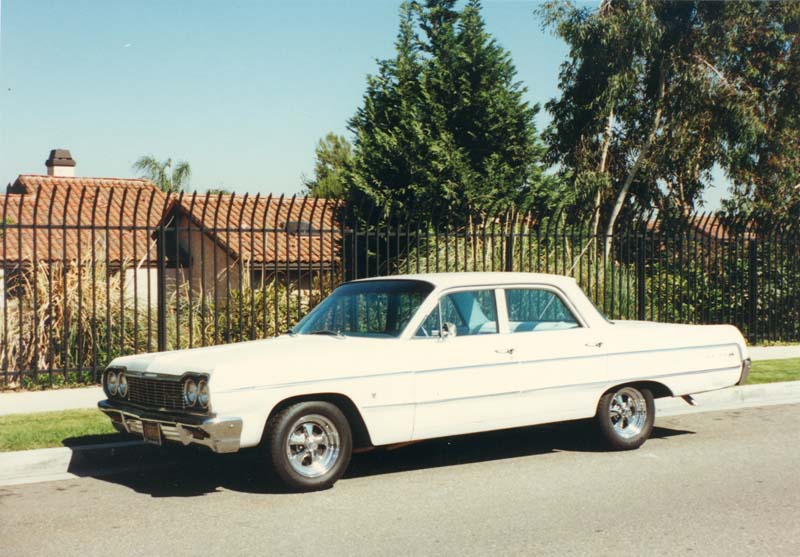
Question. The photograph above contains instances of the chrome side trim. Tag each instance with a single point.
(454, 368)
(609, 383)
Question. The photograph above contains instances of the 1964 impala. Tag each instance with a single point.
(393, 360)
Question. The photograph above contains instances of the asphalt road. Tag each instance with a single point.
(723, 483)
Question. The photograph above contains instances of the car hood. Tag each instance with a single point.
(283, 359)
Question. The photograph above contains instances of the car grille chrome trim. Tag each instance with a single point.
(156, 393)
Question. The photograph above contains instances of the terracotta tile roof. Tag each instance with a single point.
(112, 215)
(264, 229)
(29, 183)
(118, 216)
(706, 225)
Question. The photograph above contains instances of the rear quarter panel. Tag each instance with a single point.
(685, 358)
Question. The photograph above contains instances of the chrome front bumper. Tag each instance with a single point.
(221, 435)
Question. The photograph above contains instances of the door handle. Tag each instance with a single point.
(594, 344)
(506, 351)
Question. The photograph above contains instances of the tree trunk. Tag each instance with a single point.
(598, 200)
(623, 193)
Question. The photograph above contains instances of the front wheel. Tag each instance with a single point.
(625, 416)
(310, 444)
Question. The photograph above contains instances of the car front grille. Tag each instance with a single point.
(156, 393)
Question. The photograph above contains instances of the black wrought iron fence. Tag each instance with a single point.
(95, 273)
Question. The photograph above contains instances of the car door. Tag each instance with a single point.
(460, 370)
(563, 361)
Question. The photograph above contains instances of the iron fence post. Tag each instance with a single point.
(509, 255)
(161, 313)
(752, 267)
(640, 280)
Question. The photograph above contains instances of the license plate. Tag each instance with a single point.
(151, 432)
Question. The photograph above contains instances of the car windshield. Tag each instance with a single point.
(380, 308)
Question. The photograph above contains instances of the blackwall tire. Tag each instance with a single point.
(309, 444)
(625, 417)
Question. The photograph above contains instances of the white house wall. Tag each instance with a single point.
(137, 284)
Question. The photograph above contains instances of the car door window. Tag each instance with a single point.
(531, 309)
(473, 312)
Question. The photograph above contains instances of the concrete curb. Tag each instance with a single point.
(746, 396)
(63, 463)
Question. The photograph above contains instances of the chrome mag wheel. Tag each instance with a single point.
(628, 412)
(313, 445)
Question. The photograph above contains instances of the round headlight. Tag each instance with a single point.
(111, 383)
(122, 388)
(203, 393)
(190, 392)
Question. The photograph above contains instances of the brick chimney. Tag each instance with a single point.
(60, 163)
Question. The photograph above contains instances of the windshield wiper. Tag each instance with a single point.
(337, 334)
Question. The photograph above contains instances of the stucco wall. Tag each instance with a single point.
(137, 284)
(211, 268)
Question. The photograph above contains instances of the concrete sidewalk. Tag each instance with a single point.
(27, 402)
(88, 397)
(774, 352)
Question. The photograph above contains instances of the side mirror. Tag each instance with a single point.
(449, 330)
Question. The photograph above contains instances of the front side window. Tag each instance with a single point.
(463, 313)
(379, 308)
(531, 309)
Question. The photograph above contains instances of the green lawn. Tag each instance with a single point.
(772, 371)
(19, 432)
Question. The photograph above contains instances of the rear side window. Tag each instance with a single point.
(532, 309)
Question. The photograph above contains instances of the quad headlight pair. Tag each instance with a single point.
(196, 393)
(116, 383)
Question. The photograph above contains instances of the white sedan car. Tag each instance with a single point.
(398, 359)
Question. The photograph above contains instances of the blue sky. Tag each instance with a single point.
(242, 90)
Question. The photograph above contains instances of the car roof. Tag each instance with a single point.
(451, 280)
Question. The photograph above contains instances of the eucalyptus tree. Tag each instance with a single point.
(169, 179)
(637, 116)
(655, 93)
(760, 71)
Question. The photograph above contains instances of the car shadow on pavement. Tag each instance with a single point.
(193, 472)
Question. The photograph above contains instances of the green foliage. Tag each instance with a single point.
(655, 94)
(219, 191)
(443, 125)
(246, 314)
(334, 156)
(163, 175)
(761, 71)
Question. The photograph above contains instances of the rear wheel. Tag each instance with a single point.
(310, 444)
(625, 416)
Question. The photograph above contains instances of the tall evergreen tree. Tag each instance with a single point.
(393, 148)
(444, 126)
